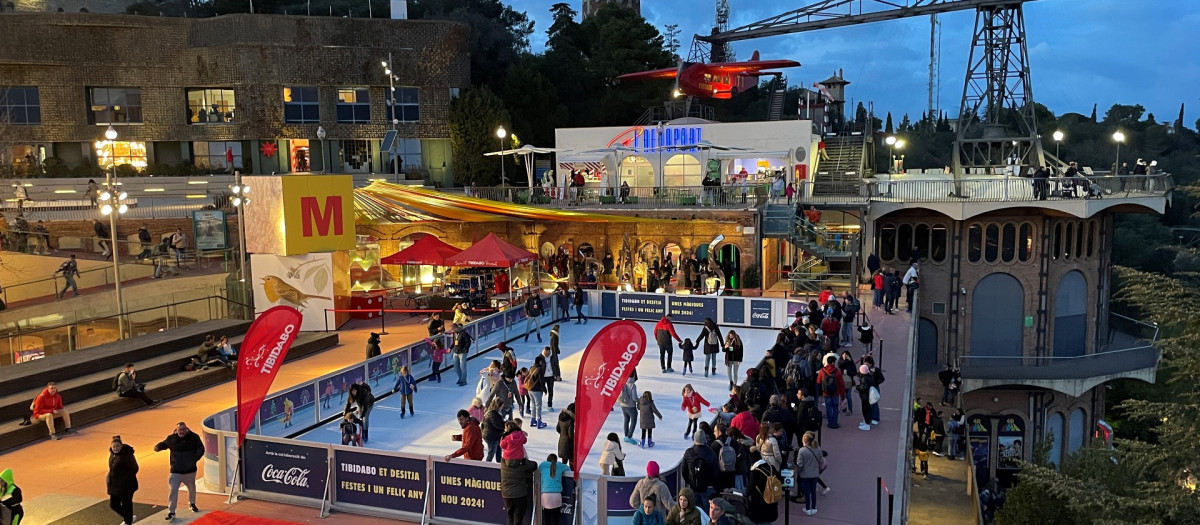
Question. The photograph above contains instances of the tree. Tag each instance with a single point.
(499, 34)
(532, 101)
(1094, 112)
(887, 128)
(474, 117)
(905, 124)
(1123, 115)
(860, 117)
(672, 39)
(1179, 121)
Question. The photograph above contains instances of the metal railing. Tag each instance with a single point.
(640, 197)
(1058, 367)
(27, 343)
(891, 189)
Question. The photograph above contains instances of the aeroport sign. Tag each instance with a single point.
(680, 138)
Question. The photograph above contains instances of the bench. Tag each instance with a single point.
(112, 356)
(164, 379)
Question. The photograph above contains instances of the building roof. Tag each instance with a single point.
(385, 203)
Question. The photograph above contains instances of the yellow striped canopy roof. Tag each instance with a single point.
(386, 203)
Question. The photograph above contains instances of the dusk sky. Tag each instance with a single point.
(1081, 52)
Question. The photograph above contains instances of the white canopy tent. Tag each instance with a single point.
(528, 152)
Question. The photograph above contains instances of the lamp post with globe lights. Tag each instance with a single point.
(500, 134)
(1058, 136)
(111, 204)
(324, 154)
(241, 198)
(387, 70)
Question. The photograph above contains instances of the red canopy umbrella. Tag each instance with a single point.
(491, 252)
(427, 250)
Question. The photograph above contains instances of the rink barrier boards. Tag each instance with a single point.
(419, 487)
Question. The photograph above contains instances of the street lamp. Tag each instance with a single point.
(241, 198)
(392, 78)
(1119, 138)
(1058, 136)
(891, 142)
(112, 206)
(500, 134)
(324, 154)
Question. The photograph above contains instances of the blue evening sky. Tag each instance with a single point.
(1081, 52)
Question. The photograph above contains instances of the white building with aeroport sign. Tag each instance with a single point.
(676, 154)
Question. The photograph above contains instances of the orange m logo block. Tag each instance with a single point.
(311, 214)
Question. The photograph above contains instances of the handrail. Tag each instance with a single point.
(18, 331)
(994, 188)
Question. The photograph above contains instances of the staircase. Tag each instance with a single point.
(847, 163)
(777, 220)
(778, 94)
(823, 250)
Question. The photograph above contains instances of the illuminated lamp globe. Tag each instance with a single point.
(110, 133)
(890, 141)
(106, 209)
(105, 196)
(122, 209)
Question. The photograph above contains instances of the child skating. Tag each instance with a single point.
(523, 392)
(436, 354)
(692, 402)
(350, 425)
(406, 385)
(646, 412)
(688, 355)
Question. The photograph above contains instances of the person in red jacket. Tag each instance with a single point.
(48, 406)
(663, 332)
(832, 386)
(692, 400)
(744, 420)
(877, 291)
(471, 438)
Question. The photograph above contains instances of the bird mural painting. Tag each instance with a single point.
(276, 288)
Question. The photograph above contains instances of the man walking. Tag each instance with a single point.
(186, 450)
(460, 346)
(911, 282)
(144, 237)
(69, 270)
(533, 311)
(179, 244)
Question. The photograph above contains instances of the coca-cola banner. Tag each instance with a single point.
(262, 353)
(603, 370)
(468, 491)
(289, 469)
(380, 481)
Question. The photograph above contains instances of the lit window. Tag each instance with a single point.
(210, 106)
(215, 155)
(114, 106)
(121, 153)
(301, 105)
(1025, 242)
(20, 105)
(408, 105)
(353, 105)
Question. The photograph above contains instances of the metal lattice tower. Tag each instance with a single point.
(996, 115)
(722, 52)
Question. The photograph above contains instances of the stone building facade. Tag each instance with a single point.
(260, 88)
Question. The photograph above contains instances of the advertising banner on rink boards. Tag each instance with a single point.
(649, 307)
(379, 481)
(285, 468)
(733, 310)
(760, 313)
(467, 491)
(692, 309)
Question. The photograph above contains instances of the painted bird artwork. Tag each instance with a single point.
(276, 289)
(294, 271)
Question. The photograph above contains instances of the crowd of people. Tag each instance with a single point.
(772, 419)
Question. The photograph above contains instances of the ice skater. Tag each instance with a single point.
(461, 346)
(580, 299)
(664, 331)
(349, 427)
(523, 392)
(436, 354)
(710, 337)
(406, 385)
(536, 384)
(691, 406)
(512, 442)
(548, 376)
(688, 356)
(647, 411)
(563, 297)
(553, 359)
(533, 311)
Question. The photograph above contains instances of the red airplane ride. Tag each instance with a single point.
(720, 80)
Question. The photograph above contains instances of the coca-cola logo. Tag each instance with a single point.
(295, 476)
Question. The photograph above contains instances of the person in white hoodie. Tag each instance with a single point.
(612, 454)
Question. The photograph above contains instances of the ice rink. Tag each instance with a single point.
(429, 432)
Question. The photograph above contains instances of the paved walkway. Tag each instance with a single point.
(943, 497)
(857, 458)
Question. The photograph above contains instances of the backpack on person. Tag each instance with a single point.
(713, 338)
(116, 381)
(829, 385)
(772, 491)
(877, 375)
(727, 459)
(738, 500)
(795, 373)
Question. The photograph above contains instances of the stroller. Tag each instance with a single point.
(1094, 191)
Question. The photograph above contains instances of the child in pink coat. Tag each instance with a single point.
(512, 445)
(692, 402)
(436, 353)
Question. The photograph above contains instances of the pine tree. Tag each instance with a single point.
(1179, 121)
(887, 128)
(1094, 112)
